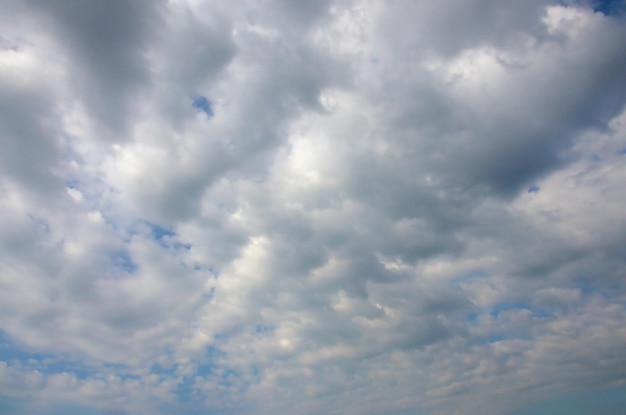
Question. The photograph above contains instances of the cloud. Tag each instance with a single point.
(349, 207)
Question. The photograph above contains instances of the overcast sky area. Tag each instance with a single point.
(312, 207)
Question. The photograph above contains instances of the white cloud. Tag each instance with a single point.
(390, 208)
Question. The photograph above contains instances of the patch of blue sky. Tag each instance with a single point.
(158, 369)
(10, 406)
(221, 336)
(69, 152)
(498, 338)
(80, 371)
(182, 408)
(502, 334)
(195, 407)
(91, 189)
(186, 408)
(206, 369)
(121, 371)
(596, 158)
(609, 7)
(540, 312)
(180, 245)
(214, 353)
(502, 337)
(534, 188)
(622, 152)
(83, 188)
(537, 312)
(205, 268)
(159, 232)
(264, 328)
(186, 390)
(230, 377)
(472, 316)
(74, 409)
(72, 183)
(40, 224)
(202, 103)
(472, 276)
(209, 295)
(91, 192)
(592, 287)
(124, 261)
(16, 354)
(601, 402)
(166, 237)
(504, 307)
(12, 350)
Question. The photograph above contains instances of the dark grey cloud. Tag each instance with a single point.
(30, 137)
(105, 46)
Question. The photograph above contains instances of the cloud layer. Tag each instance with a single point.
(350, 207)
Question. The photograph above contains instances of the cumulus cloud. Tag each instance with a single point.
(310, 207)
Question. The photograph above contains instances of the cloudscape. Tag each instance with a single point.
(312, 207)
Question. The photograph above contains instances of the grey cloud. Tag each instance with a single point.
(285, 80)
(349, 232)
(107, 44)
(475, 141)
(30, 137)
(446, 28)
(291, 18)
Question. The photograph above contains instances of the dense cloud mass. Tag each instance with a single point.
(310, 207)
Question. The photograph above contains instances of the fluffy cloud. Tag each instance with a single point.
(310, 207)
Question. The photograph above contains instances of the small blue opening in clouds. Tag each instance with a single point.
(158, 369)
(534, 189)
(122, 371)
(186, 389)
(229, 377)
(72, 184)
(605, 402)
(166, 237)
(205, 370)
(209, 269)
(122, 259)
(609, 7)
(9, 406)
(263, 329)
(502, 307)
(160, 232)
(203, 104)
(19, 406)
(472, 316)
(497, 338)
(47, 363)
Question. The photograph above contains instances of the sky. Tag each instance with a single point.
(312, 207)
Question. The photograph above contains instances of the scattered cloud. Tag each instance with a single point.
(311, 207)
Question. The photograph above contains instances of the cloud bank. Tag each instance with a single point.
(310, 207)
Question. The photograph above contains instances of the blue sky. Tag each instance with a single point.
(312, 207)
(203, 104)
(609, 7)
(607, 402)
